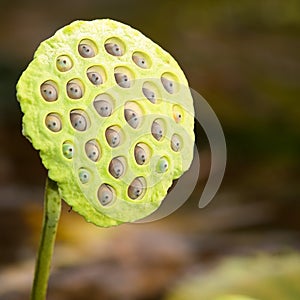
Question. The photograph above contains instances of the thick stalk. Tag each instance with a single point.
(52, 209)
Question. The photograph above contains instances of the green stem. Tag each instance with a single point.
(52, 210)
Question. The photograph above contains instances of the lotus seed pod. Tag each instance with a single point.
(53, 122)
(113, 49)
(116, 168)
(64, 63)
(49, 92)
(101, 104)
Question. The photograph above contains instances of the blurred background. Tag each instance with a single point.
(243, 57)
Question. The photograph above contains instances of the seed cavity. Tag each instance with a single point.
(79, 120)
(141, 59)
(176, 143)
(141, 154)
(64, 63)
(103, 105)
(49, 91)
(137, 188)
(114, 46)
(92, 150)
(177, 113)
(112, 135)
(157, 129)
(168, 81)
(131, 118)
(117, 167)
(68, 149)
(105, 194)
(87, 48)
(95, 78)
(123, 77)
(53, 122)
(75, 89)
(84, 175)
(150, 91)
(162, 165)
(150, 95)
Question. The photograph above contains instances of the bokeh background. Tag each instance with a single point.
(244, 58)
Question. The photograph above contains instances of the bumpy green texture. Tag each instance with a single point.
(112, 116)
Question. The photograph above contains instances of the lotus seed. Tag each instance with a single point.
(168, 85)
(74, 90)
(140, 155)
(140, 61)
(53, 122)
(131, 118)
(92, 150)
(48, 92)
(105, 194)
(63, 63)
(68, 150)
(113, 49)
(149, 95)
(112, 137)
(156, 130)
(136, 188)
(177, 116)
(78, 121)
(162, 165)
(116, 168)
(122, 80)
(103, 108)
(175, 143)
(86, 51)
(84, 176)
(95, 78)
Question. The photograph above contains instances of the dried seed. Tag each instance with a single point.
(131, 118)
(92, 150)
(162, 165)
(175, 143)
(105, 194)
(68, 150)
(116, 168)
(122, 80)
(136, 188)
(53, 122)
(157, 130)
(149, 95)
(49, 92)
(95, 78)
(78, 121)
(103, 107)
(113, 49)
(64, 63)
(112, 137)
(86, 51)
(84, 176)
(140, 155)
(168, 85)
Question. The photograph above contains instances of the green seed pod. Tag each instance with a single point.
(100, 103)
